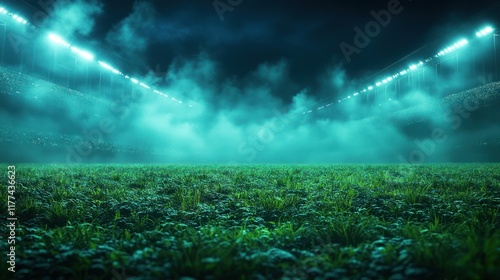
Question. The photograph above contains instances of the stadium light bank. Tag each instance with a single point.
(484, 32)
(86, 55)
(58, 40)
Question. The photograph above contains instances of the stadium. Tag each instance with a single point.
(72, 77)
(245, 160)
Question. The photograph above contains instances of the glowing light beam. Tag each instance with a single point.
(485, 31)
(84, 54)
(58, 40)
(109, 67)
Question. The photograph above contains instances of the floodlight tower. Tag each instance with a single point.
(495, 50)
(4, 25)
(495, 35)
(485, 32)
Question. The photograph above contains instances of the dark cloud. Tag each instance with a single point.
(131, 36)
(72, 18)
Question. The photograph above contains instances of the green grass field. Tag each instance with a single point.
(255, 222)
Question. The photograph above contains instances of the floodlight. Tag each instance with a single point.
(58, 40)
(370, 88)
(17, 18)
(487, 30)
(378, 84)
(155, 91)
(384, 81)
(413, 67)
(356, 93)
(389, 79)
(144, 85)
(135, 81)
(348, 96)
(161, 93)
(403, 72)
(84, 54)
(110, 68)
(180, 102)
(339, 101)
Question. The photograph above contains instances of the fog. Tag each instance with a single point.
(259, 117)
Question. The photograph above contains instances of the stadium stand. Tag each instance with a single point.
(21, 85)
(21, 89)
